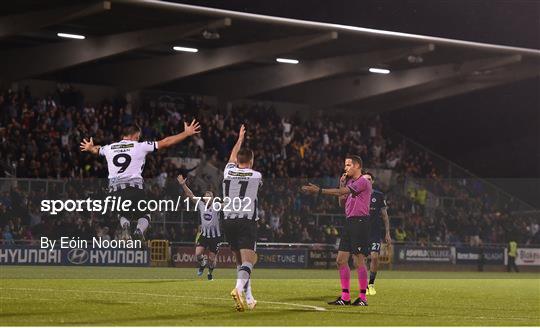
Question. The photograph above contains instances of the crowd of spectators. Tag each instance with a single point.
(39, 138)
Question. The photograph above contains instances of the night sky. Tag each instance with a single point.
(494, 133)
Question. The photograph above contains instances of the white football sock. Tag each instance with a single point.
(124, 221)
(247, 290)
(142, 224)
(237, 279)
(243, 276)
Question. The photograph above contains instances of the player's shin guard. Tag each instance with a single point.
(345, 276)
(362, 280)
(243, 276)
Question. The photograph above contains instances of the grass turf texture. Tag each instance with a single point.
(172, 296)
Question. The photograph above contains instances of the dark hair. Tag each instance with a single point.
(355, 159)
(244, 156)
(130, 129)
(370, 174)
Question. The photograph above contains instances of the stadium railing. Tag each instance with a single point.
(457, 174)
(183, 218)
(28, 185)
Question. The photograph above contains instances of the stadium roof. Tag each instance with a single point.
(128, 44)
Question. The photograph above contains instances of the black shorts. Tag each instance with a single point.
(375, 243)
(135, 195)
(241, 233)
(355, 236)
(209, 243)
(375, 246)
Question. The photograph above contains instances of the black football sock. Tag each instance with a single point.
(372, 276)
(200, 260)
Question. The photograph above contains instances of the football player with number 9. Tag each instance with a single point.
(125, 163)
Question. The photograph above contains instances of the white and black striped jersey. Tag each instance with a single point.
(241, 184)
(125, 162)
(209, 220)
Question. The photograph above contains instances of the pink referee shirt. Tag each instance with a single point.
(357, 203)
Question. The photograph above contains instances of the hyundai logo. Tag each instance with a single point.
(77, 256)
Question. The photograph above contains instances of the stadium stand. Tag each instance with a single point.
(40, 141)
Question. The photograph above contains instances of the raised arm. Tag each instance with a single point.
(88, 146)
(186, 189)
(189, 130)
(238, 145)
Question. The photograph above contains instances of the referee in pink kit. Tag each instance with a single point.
(354, 192)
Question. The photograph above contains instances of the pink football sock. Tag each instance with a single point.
(345, 275)
(362, 281)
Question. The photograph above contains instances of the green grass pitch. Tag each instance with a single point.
(171, 296)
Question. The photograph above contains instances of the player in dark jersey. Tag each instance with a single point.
(125, 163)
(240, 187)
(209, 237)
(378, 213)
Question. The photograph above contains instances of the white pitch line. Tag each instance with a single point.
(33, 299)
(310, 307)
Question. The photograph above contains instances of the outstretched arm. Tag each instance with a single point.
(189, 130)
(356, 187)
(88, 145)
(238, 145)
(314, 189)
(186, 189)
